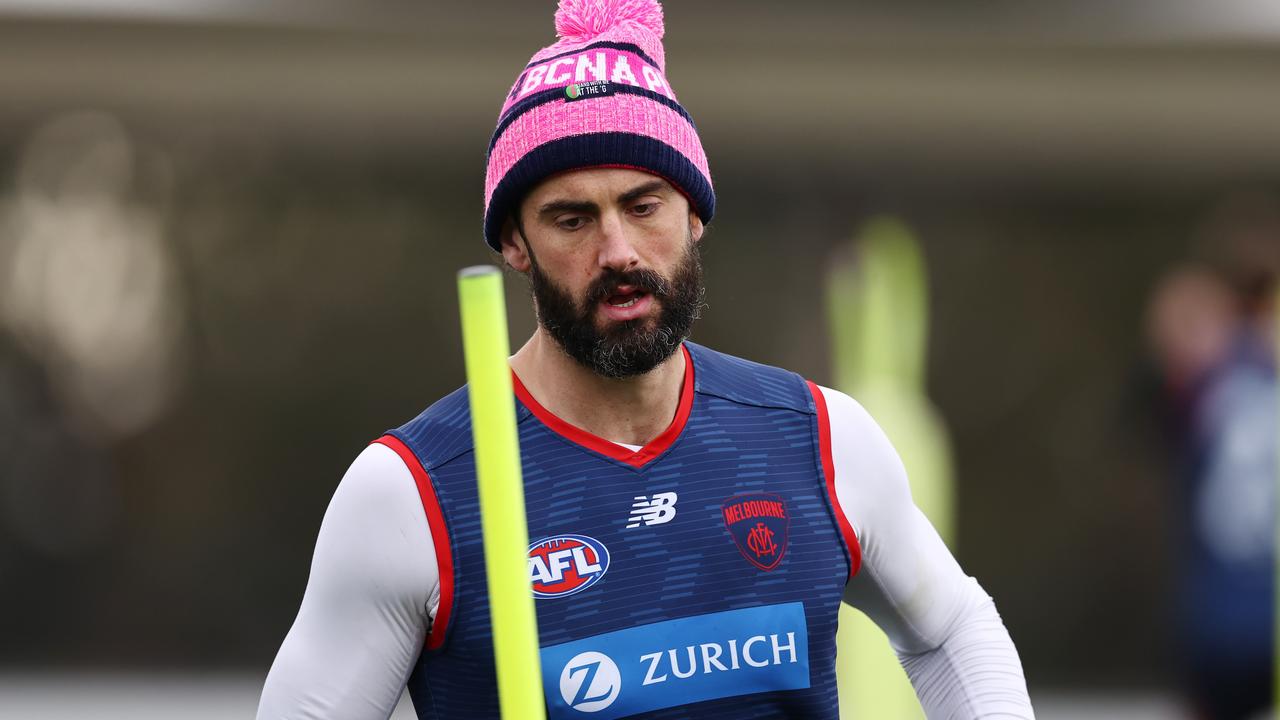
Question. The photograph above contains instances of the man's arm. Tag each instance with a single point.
(374, 585)
(942, 624)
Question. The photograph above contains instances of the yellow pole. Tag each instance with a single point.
(877, 298)
(506, 534)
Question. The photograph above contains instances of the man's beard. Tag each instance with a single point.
(631, 347)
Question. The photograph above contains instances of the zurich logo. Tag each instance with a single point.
(566, 564)
(675, 663)
(590, 682)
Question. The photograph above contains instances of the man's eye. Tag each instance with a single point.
(645, 209)
(572, 223)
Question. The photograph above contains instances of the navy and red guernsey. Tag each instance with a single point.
(697, 577)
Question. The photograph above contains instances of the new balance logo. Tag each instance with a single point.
(660, 508)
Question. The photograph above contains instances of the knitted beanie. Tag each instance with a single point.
(597, 97)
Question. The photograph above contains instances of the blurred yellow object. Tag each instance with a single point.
(877, 301)
(505, 526)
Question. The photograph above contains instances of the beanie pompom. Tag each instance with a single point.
(582, 20)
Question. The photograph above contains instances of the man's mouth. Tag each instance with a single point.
(626, 303)
(624, 299)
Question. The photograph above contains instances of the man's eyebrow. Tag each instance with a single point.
(645, 189)
(582, 206)
(586, 206)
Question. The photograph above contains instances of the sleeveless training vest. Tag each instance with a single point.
(698, 577)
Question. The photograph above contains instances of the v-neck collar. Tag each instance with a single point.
(578, 436)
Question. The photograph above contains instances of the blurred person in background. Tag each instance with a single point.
(1212, 329)
(666, 482)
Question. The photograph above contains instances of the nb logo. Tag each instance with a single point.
(660, 508)
(590, 682)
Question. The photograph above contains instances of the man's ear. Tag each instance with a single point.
(513, 248)
(696, 228)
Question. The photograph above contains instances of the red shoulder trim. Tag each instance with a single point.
(653, 449)
(439, 537)
(829, 470)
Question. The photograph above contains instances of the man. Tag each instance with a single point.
(696, 518)
(1212, 328)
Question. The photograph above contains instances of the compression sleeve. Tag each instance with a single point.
(373, 588)
(942, 624)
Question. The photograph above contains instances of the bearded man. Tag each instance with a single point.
(697, 519)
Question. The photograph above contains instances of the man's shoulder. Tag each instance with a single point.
(440, 433)
(747, 382)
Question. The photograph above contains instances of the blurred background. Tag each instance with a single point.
(228, 238)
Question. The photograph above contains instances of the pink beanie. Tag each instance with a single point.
(598, 97)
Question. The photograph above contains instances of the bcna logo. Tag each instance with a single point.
(566, 564)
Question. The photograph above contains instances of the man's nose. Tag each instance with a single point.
(617, 251)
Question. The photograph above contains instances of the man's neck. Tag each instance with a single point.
(630, 410)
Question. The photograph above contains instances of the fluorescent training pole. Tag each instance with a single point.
(506, 535)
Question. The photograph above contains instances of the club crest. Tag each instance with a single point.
(758, 524)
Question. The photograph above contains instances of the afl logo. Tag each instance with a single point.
(562, 565)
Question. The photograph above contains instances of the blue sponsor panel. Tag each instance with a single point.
(678, 662)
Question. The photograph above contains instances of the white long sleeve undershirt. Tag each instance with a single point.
(374, 588)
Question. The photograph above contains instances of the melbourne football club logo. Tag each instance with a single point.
(590, 682)
(758, 524)
(566, 564)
